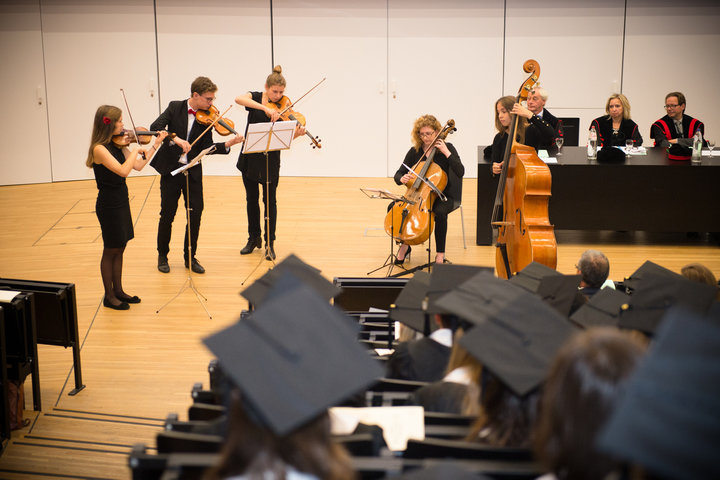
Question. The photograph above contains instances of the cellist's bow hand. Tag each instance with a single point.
(440, 145)
(406, 178)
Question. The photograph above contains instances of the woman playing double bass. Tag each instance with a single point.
(505, 107)
(424, 131)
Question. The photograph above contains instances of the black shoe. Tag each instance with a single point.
(122, 306)
(269, 252)
(195, 267)
(407, 254)
(252, 243)
(163, 264)
(128, 298)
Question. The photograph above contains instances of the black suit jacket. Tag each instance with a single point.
(422, 360)
(175, 120)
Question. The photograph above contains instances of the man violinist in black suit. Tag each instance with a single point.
(179, 118)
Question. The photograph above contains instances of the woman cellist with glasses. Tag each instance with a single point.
(424, 137)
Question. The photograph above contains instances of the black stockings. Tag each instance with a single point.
(111, 272)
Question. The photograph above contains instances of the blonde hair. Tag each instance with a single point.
(424, 121)
(459, 357)
(623, 101)
(275, 78)
(102, 131)
(508, 102)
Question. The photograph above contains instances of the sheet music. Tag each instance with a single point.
(269, 136)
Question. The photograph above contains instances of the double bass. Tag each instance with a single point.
(410, 220)
(520, 213)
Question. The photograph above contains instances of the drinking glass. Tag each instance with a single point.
(628, 146)
(711, 145)
(559, 143)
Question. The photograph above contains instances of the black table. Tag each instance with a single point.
(647, 192)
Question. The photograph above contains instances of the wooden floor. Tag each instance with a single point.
(140, 365)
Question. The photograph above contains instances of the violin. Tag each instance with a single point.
(284, 108)
(142, 134)
(409, 220)
(223, 126)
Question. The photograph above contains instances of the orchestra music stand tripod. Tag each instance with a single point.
(189, 283)
(384, 194)
(263, 138)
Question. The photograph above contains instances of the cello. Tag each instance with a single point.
(520, 213)
(409, 220)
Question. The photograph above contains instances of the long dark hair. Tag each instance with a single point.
(252, 449)
(580, 393)
(103, 127)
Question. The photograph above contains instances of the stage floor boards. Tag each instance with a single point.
(140, 365)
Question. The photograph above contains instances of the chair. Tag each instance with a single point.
(389, 391)
(205, 411)
(441, 448)
(186, 442)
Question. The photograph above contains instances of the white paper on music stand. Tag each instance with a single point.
(269, 136)
(194, 161)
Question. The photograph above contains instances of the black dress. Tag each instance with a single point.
(112, 206)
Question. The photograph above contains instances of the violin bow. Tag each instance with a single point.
(127, 107)
(303, 96)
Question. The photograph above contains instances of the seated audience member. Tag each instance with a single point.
(505, 107)
(616, 127)
(536, 104)
(675, 127)
(594, 268)
(424, 359)
(458, 390)
(579, 395)
(280, 429)
(698, 272)
(514, 335)
(668, 419)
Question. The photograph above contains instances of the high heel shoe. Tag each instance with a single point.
(399, 261)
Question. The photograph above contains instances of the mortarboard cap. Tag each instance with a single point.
(515, 335)
(668, 419)
(293, 358)
(647, 268)
(556, 289)
(255, 293)
(409, 306)
(603, 309)
(445, 277)
(519, 344)
(655, 294)
(480, 296)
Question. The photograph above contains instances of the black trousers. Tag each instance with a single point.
(170, 189)
(252, 196)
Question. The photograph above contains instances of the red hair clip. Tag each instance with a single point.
(106, 120)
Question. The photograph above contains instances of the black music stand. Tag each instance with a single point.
(189, 283)
(384, 194)
(263, 138)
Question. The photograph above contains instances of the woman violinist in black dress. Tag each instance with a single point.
(111, 163)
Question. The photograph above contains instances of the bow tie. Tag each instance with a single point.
(191, 111)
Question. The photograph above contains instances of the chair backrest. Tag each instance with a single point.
(571, 131)
(441, 448)
(362, 293)
(178, 442)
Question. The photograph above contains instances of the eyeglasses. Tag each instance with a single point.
(668, 107)
(207, 99)
(426, 134)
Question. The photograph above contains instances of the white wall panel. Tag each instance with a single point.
(347, 44)
(25, 153)
(578, 46)
(92, 49)
(444, 59)
(225, 40)
(671, 47)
